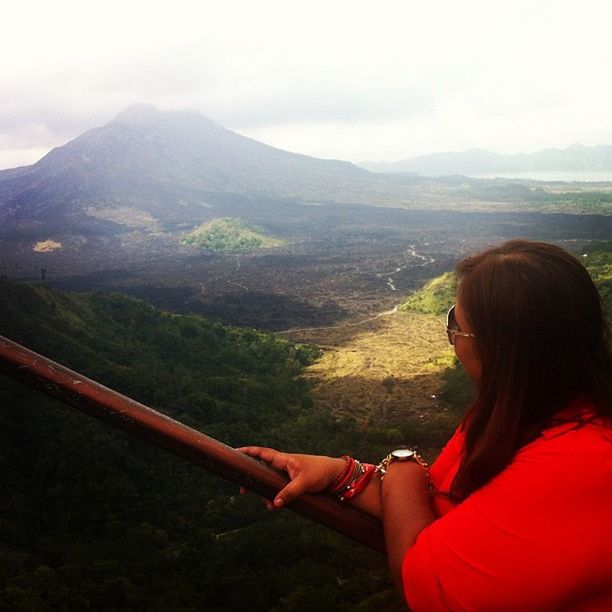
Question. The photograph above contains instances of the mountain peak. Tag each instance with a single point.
(577, 147)
(139, 113)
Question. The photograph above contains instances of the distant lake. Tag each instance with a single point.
(585, 176)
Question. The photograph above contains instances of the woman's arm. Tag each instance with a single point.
(401, 500)
(406, 511)
(313, 474)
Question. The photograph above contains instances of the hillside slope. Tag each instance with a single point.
(243, 372)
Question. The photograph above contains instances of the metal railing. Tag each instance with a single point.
(88, 396)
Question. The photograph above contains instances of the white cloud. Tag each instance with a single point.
(339, 79)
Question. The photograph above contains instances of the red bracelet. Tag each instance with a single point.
(356, 471)
(344, 476)
(361, 482)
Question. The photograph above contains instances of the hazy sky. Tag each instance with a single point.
(341, 79)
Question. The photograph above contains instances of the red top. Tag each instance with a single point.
(538, 536)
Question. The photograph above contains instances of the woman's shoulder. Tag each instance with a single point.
(576, 450)
(580, 426)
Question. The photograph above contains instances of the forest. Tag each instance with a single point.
(93, 519)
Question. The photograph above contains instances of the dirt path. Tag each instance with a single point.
(381, 369)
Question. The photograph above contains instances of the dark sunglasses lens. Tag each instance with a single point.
(451, 324)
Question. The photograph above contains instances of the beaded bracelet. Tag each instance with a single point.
(344, 476)
(352, 480)
(358, 485)
(357, 470)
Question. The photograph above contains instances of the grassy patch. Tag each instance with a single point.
(226, 234)
(434, 297)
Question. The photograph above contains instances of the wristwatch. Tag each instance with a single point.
(400, 454)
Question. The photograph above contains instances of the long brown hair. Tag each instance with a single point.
(542, 341)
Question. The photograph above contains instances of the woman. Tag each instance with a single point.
(516, 513)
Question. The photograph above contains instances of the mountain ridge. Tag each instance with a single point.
(482, 161)
(151, 172)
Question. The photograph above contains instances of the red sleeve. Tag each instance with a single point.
(445, 466)
(535, 537)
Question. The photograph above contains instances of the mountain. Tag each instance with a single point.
(147, 167)
(481, 161)
(153, 173)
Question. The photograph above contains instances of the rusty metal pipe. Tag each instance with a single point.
(90, 397)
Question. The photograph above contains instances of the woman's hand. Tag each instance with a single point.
(308, 473)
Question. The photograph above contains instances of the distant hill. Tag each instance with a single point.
(147, 167)
(481, 161)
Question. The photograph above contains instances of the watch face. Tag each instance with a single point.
(402, 454)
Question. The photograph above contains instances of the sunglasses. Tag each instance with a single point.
(452, 329)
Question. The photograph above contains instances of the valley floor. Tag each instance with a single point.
(380, 371)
